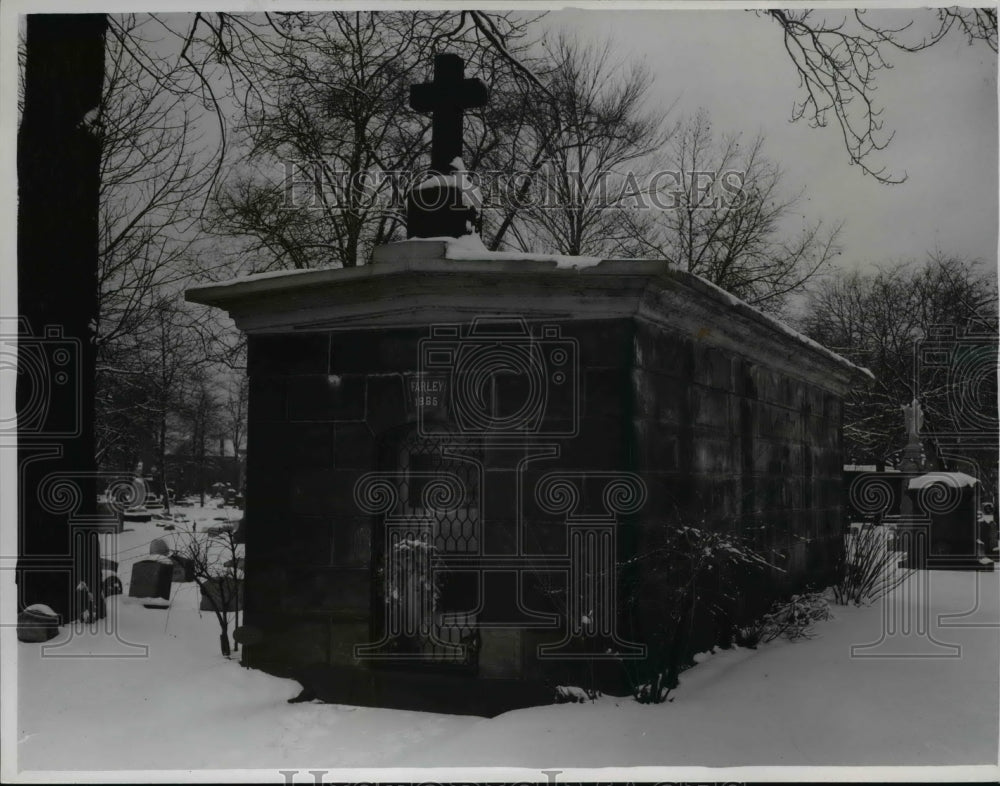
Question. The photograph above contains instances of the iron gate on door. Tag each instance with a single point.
(427, 502)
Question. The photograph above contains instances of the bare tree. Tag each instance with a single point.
(877, 319)
(147, 400)
(216, 564)
(330, 131)
(202, 415)
(155, 167)
(723, 214)
(579, 151)
(235, 419)
(839, 54)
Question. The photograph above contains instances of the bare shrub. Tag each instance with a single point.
(792, 619)
(871, 568)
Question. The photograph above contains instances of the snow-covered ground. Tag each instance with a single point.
(179, 704)
(787, 703)
(184, 707)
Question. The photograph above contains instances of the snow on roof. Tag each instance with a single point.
(471, 247)
(734, 301)
(162, 558)
(954, 479)
(41, 609)
(250, 277)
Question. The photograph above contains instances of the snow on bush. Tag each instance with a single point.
(693, 576)
(792, 619)
(573, 694)
(411, 588)
(216, 563)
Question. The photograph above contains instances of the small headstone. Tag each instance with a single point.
(137, 514)
(37, 623)
(159, 546)
(151, 578)
(210, 592)
(112, 585)
(183, 569)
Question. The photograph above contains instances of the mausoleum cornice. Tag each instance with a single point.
(415, 283)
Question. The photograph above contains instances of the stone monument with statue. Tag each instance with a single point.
(913, 458)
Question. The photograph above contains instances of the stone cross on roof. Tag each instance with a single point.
(446, 98)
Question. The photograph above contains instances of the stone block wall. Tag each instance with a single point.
(714, 437)
(322, 406)
(726, 443)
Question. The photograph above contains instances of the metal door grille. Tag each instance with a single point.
(437, 513)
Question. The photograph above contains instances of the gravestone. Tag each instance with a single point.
(183, 568)
(948, 500)
(159, 546)
(219, 594)
(151, 578)
(933, 513)
(37, 623)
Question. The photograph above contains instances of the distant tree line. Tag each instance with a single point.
(926, 330)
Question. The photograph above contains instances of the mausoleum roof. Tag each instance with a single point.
(420, 282)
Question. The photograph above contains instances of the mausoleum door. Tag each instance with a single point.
(426, 578)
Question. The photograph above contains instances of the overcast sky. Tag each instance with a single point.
(941, 102)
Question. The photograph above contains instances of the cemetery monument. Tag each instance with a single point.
(457, 458)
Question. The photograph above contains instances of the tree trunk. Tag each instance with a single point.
(201, 461)
(58, 161)
(162, 449)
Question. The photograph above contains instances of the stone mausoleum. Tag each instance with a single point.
(452, 453)
(463, 466)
